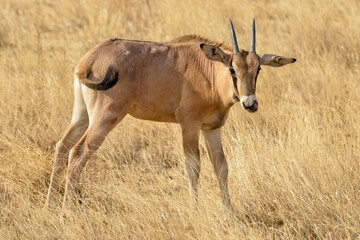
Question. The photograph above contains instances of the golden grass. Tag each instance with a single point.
(294, 165)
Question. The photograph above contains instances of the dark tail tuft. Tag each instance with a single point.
(109, 81)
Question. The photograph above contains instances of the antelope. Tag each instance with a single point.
(190, 80)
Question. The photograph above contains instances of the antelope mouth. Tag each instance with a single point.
(253, 108)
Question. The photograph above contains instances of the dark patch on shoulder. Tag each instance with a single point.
(114, 39)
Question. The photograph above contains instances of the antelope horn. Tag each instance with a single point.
(253, 38)
(233, 38)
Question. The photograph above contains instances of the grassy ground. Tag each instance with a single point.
(294, 165)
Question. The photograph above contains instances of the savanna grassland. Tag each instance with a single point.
(294, 165)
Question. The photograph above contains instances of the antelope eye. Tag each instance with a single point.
(232, 71)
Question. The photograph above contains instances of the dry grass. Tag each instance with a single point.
(294, 165)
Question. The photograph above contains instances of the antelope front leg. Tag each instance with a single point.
(192, 159)
(217, 157)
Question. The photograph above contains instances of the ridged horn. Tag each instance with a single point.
(233, 38)
(253, 38)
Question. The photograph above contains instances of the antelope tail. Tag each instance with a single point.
(109, 80)
(85, 75)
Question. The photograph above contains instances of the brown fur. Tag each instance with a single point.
(199, 39)
(186, 80)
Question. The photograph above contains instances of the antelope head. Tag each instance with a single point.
(244, 67)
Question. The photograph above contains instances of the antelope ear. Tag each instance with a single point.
(274, 60)
(214, 53)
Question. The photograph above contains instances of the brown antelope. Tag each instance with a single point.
(190, 80)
